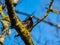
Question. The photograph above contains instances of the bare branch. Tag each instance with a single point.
(5, 26)
(55, 11)
(4, 17)
(47, 12)
(52, 24)
(5, 30)
(3, 35)
(17, 24)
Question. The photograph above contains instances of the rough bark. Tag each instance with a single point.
(17, 24)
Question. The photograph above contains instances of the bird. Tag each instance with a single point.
(28, 24)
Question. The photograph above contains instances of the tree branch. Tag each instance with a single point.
(5, 31)
(17, 24)
(47, 12)
(55, 11)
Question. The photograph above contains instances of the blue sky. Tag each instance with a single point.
(43, 32)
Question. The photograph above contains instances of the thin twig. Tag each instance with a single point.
(47, 12)
(55, 11)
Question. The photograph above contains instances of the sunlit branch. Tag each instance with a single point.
(4, 17)
(5, 30)
(55, 11)
(3, 35)
(0, 9)
(17, 24)
(47, 12)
